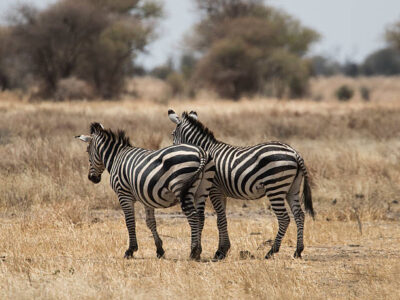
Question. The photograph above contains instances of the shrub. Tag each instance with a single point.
(385, 61)
(365, 93)
(324, 66)
(187, 64)
(288, 73)
(229, 68)
(351, 69)
(163, 71)
(150, 88)
(176, 83)
(73, 89)
(344, 93)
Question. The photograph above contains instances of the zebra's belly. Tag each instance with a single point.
(255, 194)
(163, 200)
(247, 196)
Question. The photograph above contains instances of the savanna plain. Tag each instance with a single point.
(61, 237)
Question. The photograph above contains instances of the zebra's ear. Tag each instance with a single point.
(193, 115)
(85, 138)
(173, 116)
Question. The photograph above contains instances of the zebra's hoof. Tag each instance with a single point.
(270, 254)
(128, 254)
(219, 255)
(160, 253)
(297, 254)
(195, 254)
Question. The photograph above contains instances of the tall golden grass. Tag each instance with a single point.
(63, 237)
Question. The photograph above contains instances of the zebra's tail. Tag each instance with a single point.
(187, 185)
(307, 197)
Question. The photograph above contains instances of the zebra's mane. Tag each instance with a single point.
(198, 125)
(119, 137)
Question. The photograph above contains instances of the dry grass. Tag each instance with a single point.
(47, 256)
(381, 88)
(63, 237)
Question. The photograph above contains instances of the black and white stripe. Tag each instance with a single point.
(158, 179)
(273, 169)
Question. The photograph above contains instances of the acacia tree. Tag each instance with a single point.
(247, 47)
(95, 40)
(393, 35)
(110, 58)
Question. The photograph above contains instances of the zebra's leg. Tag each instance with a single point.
(278, 206)
(200, 207)
(188, 208)
(218, 201)
(203, 191)
(151, 224)
(293, 198)
(126, 202)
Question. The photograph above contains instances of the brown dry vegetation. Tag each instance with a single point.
(382, 88)
(63, 237)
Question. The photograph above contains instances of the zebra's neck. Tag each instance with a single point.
(108, 150)
(206, 142)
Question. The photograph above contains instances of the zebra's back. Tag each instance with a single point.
(153, 176)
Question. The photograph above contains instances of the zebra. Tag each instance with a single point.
(157, 179)
(273, 169)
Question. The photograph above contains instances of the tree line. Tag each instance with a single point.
(96, 41)
(237, 48)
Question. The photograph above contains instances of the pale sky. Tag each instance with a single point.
(350, 29)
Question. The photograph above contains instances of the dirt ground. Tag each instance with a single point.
(43, 256)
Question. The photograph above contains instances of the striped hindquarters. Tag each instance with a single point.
(252, 172)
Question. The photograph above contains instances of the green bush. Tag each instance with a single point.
(344, 93)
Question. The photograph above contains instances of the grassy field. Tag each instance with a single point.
(63, 237)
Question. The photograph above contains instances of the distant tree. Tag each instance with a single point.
(55, 39)
(4, 77)
(324, 66)
(245, 46)
(164, 70)
(385, 61)
(350, 68)
(393, 35)
(95, 40)
(187, 64)
(111, 57)
(176, 82)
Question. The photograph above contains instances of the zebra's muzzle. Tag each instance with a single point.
(94, 178)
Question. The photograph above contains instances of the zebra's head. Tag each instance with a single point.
(183, 127)
(96, 165)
